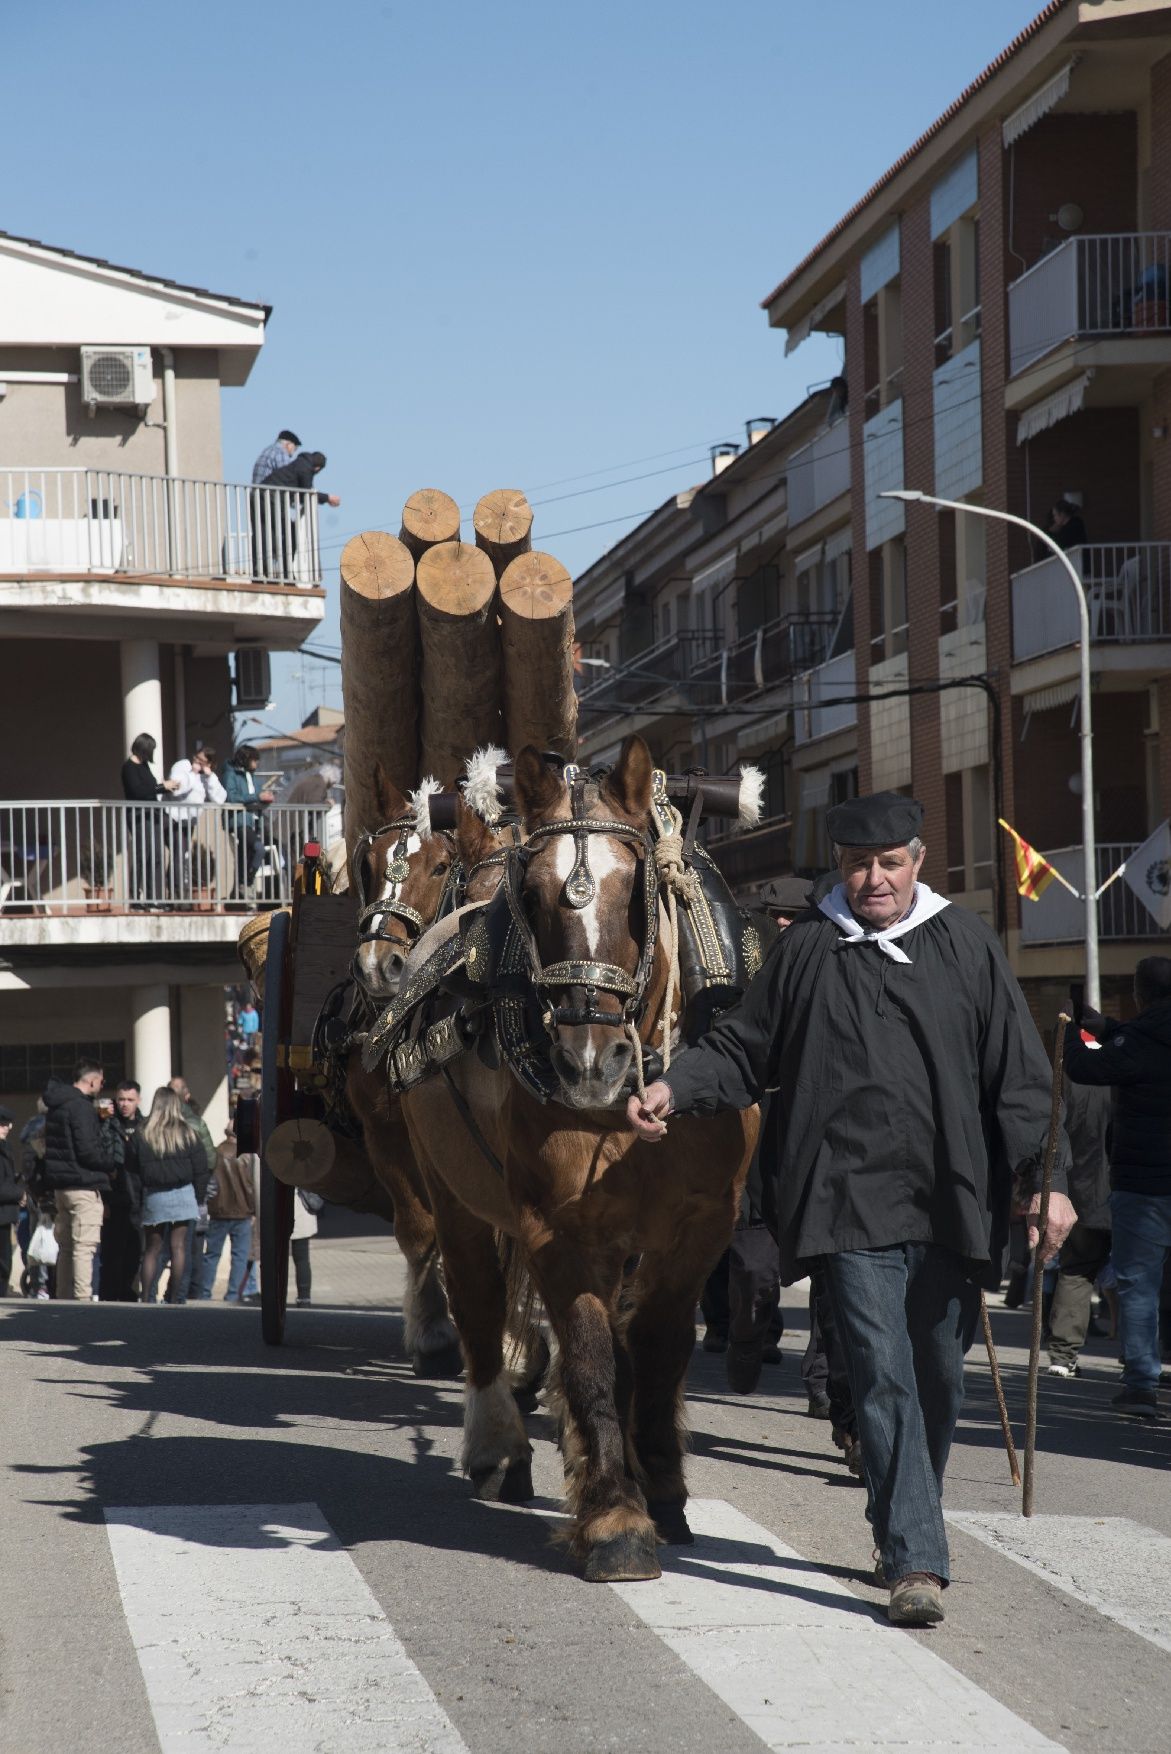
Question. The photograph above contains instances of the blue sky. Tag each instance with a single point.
(506, 244)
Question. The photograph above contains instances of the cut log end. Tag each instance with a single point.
(429, 516)
(455, 579)
(536, 587)
(503, 522)
(377, 565)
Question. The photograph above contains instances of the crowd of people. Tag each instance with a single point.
(118, 1205)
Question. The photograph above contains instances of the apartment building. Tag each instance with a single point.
(139, 592)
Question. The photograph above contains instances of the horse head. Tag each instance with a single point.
(401, 873)
(584, 892)
(483, 848)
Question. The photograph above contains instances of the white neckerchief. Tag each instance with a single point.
(926, 905)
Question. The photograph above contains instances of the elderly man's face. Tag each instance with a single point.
(880, 882)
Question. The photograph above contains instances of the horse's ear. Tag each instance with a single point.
(391, 802)
(474, 837)
(628, 783)
(538, 786)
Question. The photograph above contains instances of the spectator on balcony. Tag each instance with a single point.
(145, 840)
(277, 526)
(240, 788)
(77, 1173)
(282, 450)
(196, 784)
(1066, 525)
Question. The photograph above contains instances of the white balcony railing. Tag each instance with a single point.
(1110, 284)
(71, 856)
(82, 521)
(810, 719)
(1058, 917)
(820, 472)
(1128, 585)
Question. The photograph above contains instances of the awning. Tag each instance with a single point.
(1038, 105)
(717, 574)
(804, 326)
(1070, 399)
(809, 559)
(841, 542)
(1043, 700)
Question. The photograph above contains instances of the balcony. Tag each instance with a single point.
(76, 523)
(1059, 917)
(812, 720)
(819, 473)
(60, 858)
(1111, 285)
(1129, 589)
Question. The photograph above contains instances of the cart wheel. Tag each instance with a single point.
(276, 1200)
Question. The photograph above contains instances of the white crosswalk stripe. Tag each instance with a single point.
(256, 1632)
(1111, 1563)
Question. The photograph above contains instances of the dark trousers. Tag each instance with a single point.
(121, 1256)
(742, 1296)
(5, 1258)
(906, 1315)
(1083, 1255)
(301, 1266)
(823, 1370)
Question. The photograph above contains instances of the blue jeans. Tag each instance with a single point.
(905, 1316)
(1141, 1237)
(237, 1231)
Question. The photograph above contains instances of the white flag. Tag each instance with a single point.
(1148, 871)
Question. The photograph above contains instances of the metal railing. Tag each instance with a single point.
(1129, 589)
(819, 473)
(810, 719)
(648, 677)
(81, 521)
(1058, 917)
(1108, 284)
(83, 855)
(765, 657)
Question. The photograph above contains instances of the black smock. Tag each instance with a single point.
(907, 1093)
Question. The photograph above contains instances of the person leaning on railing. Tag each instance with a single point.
(240, 787)
(139, 786)
(275, 517)
(195, 783)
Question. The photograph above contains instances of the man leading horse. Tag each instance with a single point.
(911, 1085)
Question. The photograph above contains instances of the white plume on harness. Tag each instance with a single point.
(751, 794)
(482, 791)
(927, 904)
(420, 803)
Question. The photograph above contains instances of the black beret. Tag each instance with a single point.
(786, 895)
(884, 819)
(7, 1118)
(291, 437)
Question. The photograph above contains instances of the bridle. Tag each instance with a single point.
(587, 976)
(397, 870)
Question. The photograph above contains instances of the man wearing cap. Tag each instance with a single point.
(912, 1084)
(282, 450)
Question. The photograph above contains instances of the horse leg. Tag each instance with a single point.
(611, 1532)
(497, 1455)
(660, 1337)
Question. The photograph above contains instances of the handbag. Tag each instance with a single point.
(312, 1202)
(43, 1247)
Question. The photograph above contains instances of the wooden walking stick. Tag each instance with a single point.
(1001, 1404)
(1038, 1265)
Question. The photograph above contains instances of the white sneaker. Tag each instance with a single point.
(42, 1296)
(1058, 1369)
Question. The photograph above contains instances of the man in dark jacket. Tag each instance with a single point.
(11, 1196)
(275, 515)
(1135, 1058)
(912, 1085)
(122, 1224)
(77, 1173)
(1087, 1247)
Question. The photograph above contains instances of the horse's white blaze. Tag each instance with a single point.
(603, 860)
(368, 955)
(493, 1428)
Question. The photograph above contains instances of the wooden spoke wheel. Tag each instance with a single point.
(276, 1105)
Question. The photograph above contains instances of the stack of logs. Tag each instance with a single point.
(449, 646)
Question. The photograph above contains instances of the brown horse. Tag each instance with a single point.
(400, 907)
(575, 1188)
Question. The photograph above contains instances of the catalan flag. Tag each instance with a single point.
(1033, 873)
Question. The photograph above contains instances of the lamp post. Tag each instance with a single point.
(1089, 835)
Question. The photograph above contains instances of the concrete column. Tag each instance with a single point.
(204, 1064)
(150, 1061)
(142, 696)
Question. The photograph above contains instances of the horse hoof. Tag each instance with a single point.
(670, 1520)
(627, 1558)
(447, 1362)
(511, 1484)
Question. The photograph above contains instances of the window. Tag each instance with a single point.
(25, 1070)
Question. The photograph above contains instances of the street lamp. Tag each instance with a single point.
(1089, 836)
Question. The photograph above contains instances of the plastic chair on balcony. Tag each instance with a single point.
(1116, 603)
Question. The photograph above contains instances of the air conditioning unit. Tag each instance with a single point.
(253, 677)
(117, 377)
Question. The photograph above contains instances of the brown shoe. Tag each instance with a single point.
(916, 1600)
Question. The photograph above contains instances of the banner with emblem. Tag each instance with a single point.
(1148, 871)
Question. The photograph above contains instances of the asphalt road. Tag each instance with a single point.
(209, 1544)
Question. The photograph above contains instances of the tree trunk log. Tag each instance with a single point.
(429, 516)
(461, 658)
(303, 1153)
(536, 637)
(380, 673)
(503, 522)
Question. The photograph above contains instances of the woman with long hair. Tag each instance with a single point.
(168, 1156)
(146, 839)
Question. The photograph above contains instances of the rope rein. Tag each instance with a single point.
(677, 881)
